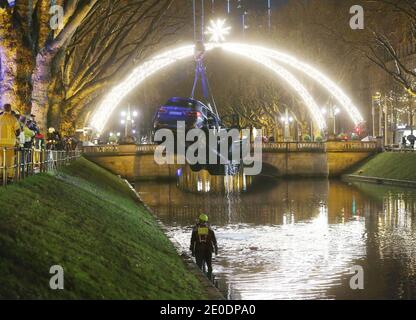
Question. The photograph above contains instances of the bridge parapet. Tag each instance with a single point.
(128, 148)
(352, 146)
(342, 155)
(279, 159)
(101, 148)
(146, 148)
(294, 147)
(330, 146)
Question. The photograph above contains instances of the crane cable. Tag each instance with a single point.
(200, 67)
(194, 13)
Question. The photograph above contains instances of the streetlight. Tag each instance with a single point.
(331, 113)
(375, 99)
(112, 138)
(128, 121)
(336, 111)
(286, 120)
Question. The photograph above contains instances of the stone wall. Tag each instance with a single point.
(130, 162)
(305, 164)
(343, 155)
(339, 162)
(332, 159)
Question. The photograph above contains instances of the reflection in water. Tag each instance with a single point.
(298, 239)
(202, 181)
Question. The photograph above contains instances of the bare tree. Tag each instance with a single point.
(116, 38)
(26, 25)
(392, 39)
(67, 68)
(76, 12)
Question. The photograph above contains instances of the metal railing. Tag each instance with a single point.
(18, 163)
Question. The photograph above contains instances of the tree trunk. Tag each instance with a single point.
(41, 79)
(25, 61)
(8, 69)
(16, 64)
(25, 64)
(56, 101)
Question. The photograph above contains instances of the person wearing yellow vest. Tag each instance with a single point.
(9, 129)
(29, 134)
(203, 243)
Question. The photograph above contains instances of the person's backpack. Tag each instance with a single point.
(203, 232)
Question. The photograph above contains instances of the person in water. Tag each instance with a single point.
(203, 244)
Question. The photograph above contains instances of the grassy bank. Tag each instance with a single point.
(86, 220)
(390, 165)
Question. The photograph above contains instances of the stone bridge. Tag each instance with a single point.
(280, 159)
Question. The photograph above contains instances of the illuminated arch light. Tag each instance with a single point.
(328, 84)
(261, 55)
(104, 111)
(310, 103)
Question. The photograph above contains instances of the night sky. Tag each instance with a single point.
(253, 4)
(259, 4)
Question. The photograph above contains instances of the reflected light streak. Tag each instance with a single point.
(293, 261)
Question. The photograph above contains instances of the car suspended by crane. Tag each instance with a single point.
(199, 114)
(194, 113)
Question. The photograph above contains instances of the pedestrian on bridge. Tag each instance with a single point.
(411, 138)
(9, 130)
(203, 243)
(404, 141)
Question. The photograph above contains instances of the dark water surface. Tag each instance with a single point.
(298, 239)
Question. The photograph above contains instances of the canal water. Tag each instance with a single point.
(299, 239)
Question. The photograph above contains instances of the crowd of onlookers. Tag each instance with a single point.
(21, 132)
(411, 138)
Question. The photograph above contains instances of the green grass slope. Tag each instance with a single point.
(86, 220)
(390, 165)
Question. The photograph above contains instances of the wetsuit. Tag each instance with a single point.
(203, 243)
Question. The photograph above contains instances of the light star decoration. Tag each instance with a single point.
(218, 30)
